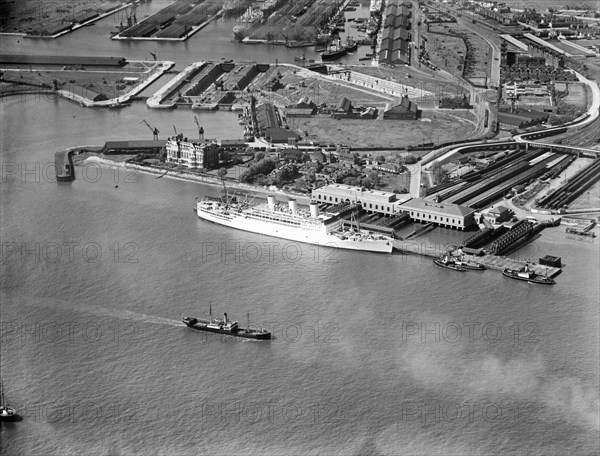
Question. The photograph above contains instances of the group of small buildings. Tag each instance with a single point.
(396, 36)
(305, 107)
(402, 109)
(345, 110)
(446, 215)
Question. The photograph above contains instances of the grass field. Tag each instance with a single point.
(434, 127)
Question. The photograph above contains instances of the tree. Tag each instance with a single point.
(366, 183)
(410, 159)
(258, 156)
(437, 171)
(221, 173)
(373, 176)
(381, 158)
(226, 156)
(351, 180)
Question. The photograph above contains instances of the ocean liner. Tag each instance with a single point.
(292, 223)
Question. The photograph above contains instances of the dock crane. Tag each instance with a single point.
(200, 129)
(178, 135)
(153, 130)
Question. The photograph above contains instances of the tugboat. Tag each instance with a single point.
(302, 58)
(446, 262)
(6, 413)
(226, 326)
(528, 275)
(333, 52)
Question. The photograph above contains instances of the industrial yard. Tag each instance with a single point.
(289, 23)
(177, 21)
(52, 18)
(93, 79)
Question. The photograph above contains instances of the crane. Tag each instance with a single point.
(178, 135)
(153, 130)
(200, 129)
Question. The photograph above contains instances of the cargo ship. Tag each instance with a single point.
(333, 52)
(528, 275)
(292, 223)
(351, 45)
(227, 327)
(251, 17)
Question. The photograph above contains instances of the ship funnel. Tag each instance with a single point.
(293, 205)
(271, 202)
(225, 317)
(314, 210)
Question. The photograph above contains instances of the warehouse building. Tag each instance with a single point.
(445, 215)
(404, 110)
(370, 200)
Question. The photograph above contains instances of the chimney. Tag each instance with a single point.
(314, 210)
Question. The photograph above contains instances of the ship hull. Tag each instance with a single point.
(472, 266)
(449, 266)
(327, 56)
(298, 234)
(252, 334)
(534, 280)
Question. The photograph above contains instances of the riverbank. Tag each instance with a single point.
(160, 172)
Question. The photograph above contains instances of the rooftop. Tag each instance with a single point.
(352, 191)
(440, 208)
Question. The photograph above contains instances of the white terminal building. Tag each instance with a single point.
(371, 200)
(445, 215)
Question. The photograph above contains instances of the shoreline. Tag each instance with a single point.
(153, 74)
(74, 27)
(188, 177)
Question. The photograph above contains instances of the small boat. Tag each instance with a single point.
(528, 275)
(446, 262)
(227, 327)
(6, 413)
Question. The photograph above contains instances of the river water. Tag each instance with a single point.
(373, 354)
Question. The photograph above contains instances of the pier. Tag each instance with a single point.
(63, 162)
(493, 262)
